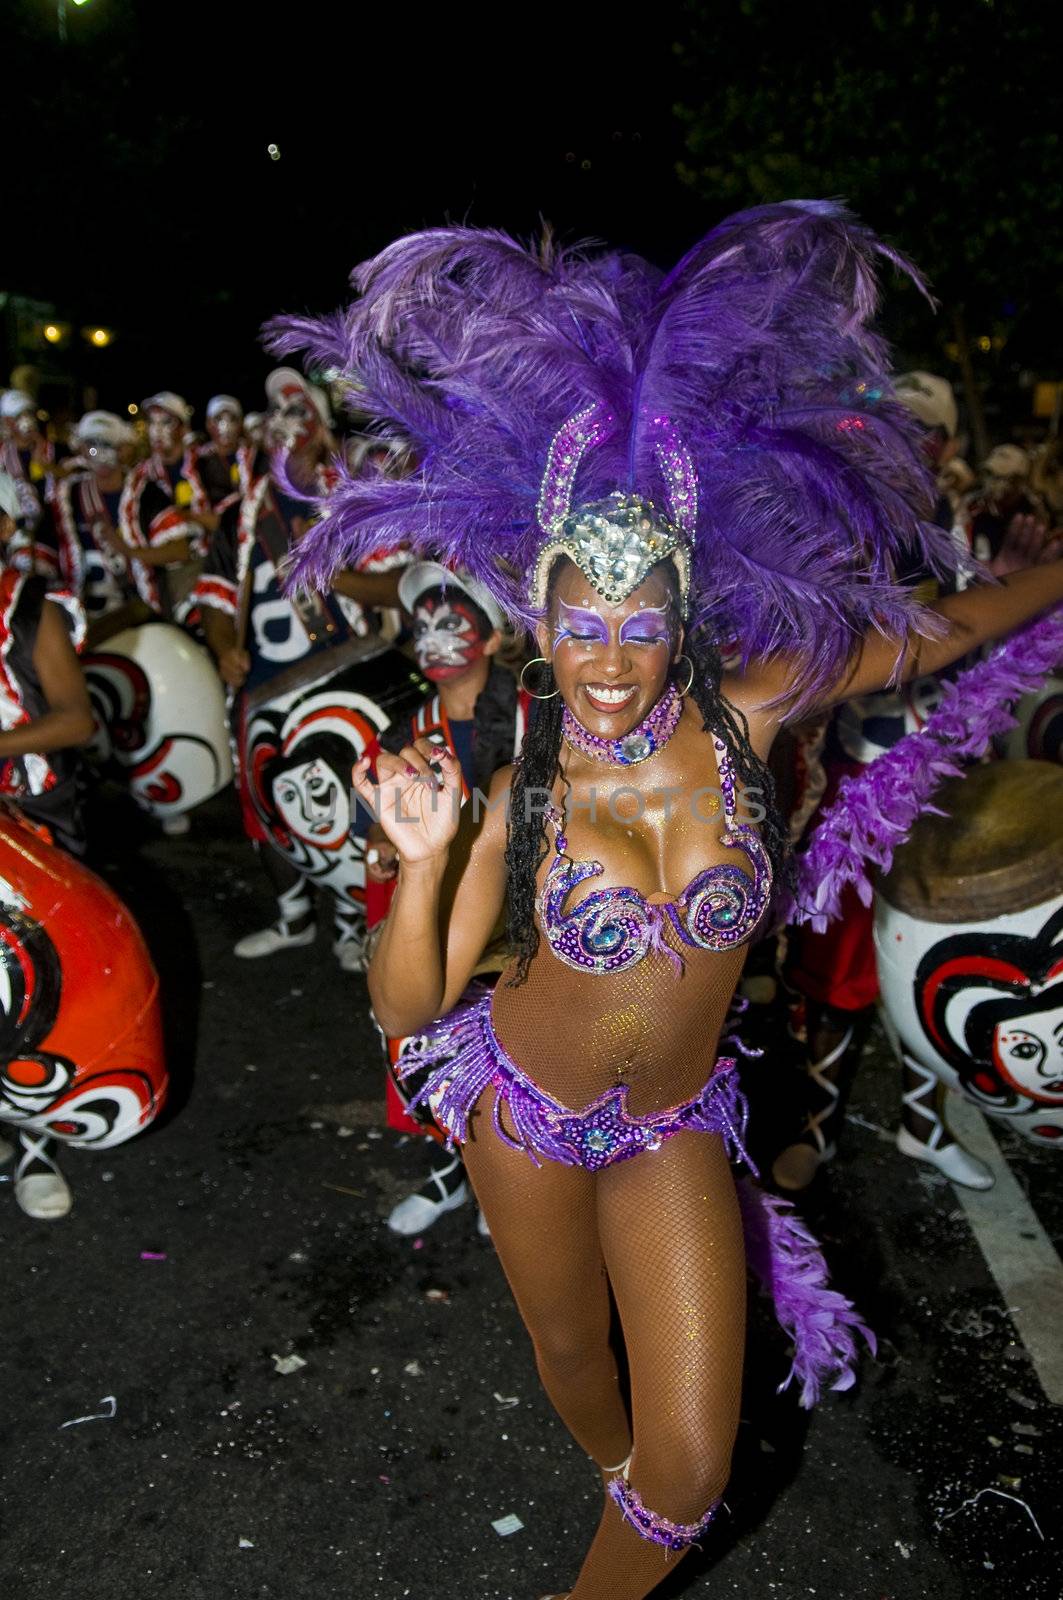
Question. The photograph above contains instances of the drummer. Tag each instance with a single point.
(260, 635)
(44, 716)
(477, 709)
(165, 518)
(225, 463)
(92, 559)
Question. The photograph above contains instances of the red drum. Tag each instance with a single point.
(301, 734)
(160, 716)
(81, 1054)
(969, 944)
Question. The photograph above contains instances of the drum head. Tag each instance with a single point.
(997, 849)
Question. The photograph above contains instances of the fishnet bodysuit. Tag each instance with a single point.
(661, 1231)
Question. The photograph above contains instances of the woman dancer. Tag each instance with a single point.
(646, 471)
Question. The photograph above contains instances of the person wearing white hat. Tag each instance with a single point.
(269, 646)
(226, 463)
(1003, 504)
(93, 560)
(476, 709)
(25, 452)
(165, 518)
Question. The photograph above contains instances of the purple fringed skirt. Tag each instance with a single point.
(463, 1057)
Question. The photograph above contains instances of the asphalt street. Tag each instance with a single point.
(247, 1229)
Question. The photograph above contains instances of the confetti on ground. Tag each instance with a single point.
(340, 1188)
(507, 1525)
(245, 1544)
(287, 1364)
(153, 1255)
(414, 1369)
(507, 1399)
(437, 1294)
(110, 1406)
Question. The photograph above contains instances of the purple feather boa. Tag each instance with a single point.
(875, 812)
(789, 1264)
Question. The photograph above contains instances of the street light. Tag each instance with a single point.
(99, 337)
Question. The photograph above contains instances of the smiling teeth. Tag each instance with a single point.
(611, 697)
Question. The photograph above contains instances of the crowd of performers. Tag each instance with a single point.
(596, 543)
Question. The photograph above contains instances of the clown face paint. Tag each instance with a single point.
(294, 424)
(224, 429)
(313, 805)
(165, 433)
(446, 635)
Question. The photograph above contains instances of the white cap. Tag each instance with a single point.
(1007, 461)
(422, 575)
(223, 402)
(930, 398)
(14, 402)
(284, 381)
(166, 400)
(104, 426)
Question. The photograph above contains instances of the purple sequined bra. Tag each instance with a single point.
(612, 929)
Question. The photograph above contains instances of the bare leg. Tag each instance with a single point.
(544, 1226)
(672, 1238)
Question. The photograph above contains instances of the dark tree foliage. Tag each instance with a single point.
(940, 123)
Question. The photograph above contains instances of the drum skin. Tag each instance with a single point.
(296, 753)
(81, 1050)
(969, 944)
(160, 717)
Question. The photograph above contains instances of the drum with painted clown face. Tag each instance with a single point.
(969, 944)
(300, 736)
(160, 717)
(81, 1053)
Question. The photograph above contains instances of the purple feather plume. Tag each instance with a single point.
(757, 347)
(784, 1256)
(875, 811)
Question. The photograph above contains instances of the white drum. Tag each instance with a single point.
(160, 717)
(1039, 731)
(969, 944)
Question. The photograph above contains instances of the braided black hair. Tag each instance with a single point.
(538, 767)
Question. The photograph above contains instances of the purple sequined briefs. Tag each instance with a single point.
(465, 1058)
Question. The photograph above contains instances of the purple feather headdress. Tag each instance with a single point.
(739, 408)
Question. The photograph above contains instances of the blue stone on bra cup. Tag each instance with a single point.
(606, 938)
(598, 1140)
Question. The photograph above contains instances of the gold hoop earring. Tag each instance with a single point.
(534, 662)
(689, 683)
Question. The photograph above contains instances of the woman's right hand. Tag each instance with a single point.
(416, 799)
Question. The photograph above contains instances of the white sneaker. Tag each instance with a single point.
(436, 1197)
(268, 941)
(482, 1227)
(45, 1196)
(951, 1159)
(175, 826)
(350, 953)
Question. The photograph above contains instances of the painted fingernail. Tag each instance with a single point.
(411, 771)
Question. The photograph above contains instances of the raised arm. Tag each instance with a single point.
(971, 618)
(451, 885)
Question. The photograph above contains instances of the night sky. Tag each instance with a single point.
(140, 193)
(145, 198)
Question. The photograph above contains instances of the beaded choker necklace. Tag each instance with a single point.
(651, 735)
